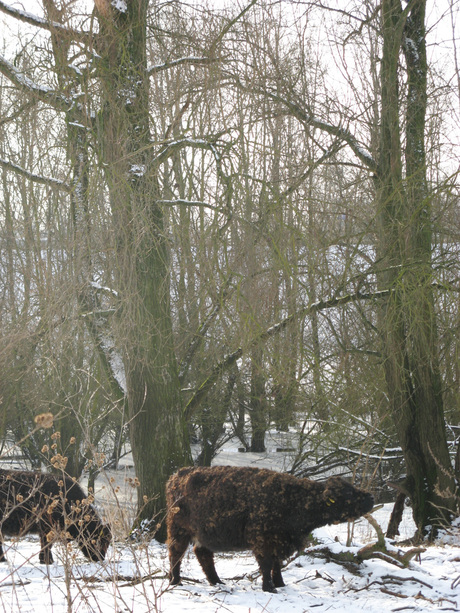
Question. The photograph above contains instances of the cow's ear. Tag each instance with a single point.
(330, 489)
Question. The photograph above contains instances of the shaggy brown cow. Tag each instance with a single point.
(51, 507)
(226, 508)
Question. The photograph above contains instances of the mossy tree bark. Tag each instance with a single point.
(158, 434)
(408, 318)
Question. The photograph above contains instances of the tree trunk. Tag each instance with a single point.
(408, 328)
(77, 127)
(258, 404)
(159, 439)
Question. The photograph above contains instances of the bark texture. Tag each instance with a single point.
(408, 319)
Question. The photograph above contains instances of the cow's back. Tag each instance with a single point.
(222, 506)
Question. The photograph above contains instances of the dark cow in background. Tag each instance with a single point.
(226, 508)
(53, 507)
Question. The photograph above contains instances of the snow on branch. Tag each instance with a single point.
(40, 22)
(170, 148)
(104, 289)
(108, 352)
(58, 101)
(209, 145)
(36, 178)
(190, 61)
(96, 321)
(120, 6)
(115, 361)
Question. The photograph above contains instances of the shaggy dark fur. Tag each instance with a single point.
(52, 507)
(226, 508)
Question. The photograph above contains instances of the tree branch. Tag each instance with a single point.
(229, 25)
(45, 94)
(200, 334)
(182, 202)
(17, 113)
(341, 133)
(177, 145)
(36, 178)
(200, 61)
(190, 61)
(310, 120)
(40, 22)
(231, 358)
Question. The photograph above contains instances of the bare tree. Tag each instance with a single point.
(407, 327)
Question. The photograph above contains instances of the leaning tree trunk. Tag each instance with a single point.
(77, 125)
(158, 435)
(408, 319)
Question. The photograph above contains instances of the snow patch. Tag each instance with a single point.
(120, 5)
(138, 170)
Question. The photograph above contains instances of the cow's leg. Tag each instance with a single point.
(45, 556)
(266, 561)
(206, 559)
(276, 574)
(178, 541)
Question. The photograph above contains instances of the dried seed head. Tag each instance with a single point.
(44, 420)
(51, 536)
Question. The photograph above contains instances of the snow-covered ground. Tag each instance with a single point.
(133, 576)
